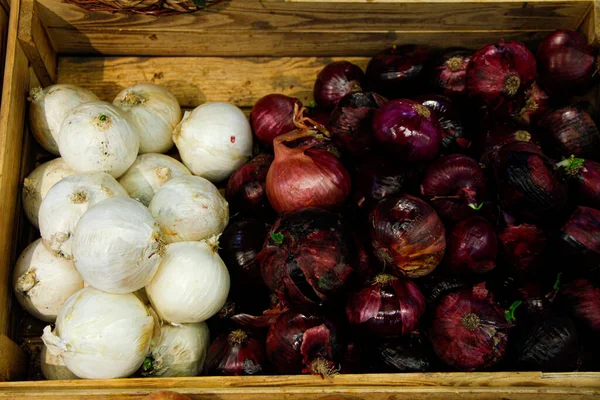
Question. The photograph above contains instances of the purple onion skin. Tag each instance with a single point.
(230, 356)
(409, 129)
(410, 353)
(537, 103)
(246, 189)
(500, 133)
(523, 246)
(582, 299)
(435, 286)
(398, 71)
(335, 81)
(273, 115)
(472, 247)
(449, 74)
(585, 185)
(580, 242)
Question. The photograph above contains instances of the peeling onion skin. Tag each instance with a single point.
(236, 353)
(246, 189)
(407, 235)
(273, 115)
(537, 103)
(335, 81)
(53, 367)
(471, 247)
(450, 73)
(582, 299)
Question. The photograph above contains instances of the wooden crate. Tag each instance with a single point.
(239, 51)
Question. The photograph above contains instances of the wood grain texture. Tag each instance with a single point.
(590, 26)
(12, 360)
(3, 36)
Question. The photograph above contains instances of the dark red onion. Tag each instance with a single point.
(274, 115)
(570, 130)
(320, 116)
(409, 129)
(566, 63)
(523, 245)
(455, 185)
(387, 307)
(352, 362)
(580, 238)
(335, 81)
(236, 353)
(499, 75)
(536, 104)
(411, 353)
(304, 343)
(398, 71)
(500, 133)
(583, 301)
(407, 235)
(470, 331)
(435, 286)
(471, 247)
(450, 72)
(308, 258)
(246, 188)
(584, 181)
(351, 120)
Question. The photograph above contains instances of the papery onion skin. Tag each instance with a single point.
(454, 135)
(335, 81)
(580, 240)
(388, 307)
(409, 129)
(470, 331)
(582, 299)
(523, 246)
(537, 102)
(407, 235)
(236, 353)
(410, 353)
(585, 184)
(246, 189)
(500, 133)
(449, 75)
(273, 115)
(566, 63)
(53, 367)
(472, 247)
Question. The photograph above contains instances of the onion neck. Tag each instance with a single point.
(323, 367)
(284, 151)
(133, 99)
(522, 135)
(26, 282)
(454, 64)
(35, 94)
(102, 122)
(512, 84)
(384, 278)
(469, 195)
(237, 337)
(471, 322)
(78, 197)
(303, 122)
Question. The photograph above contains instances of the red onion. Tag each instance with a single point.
(584, 181)
(246, 189)
(450, 72)
(307, 258)
(499, 75)
(236, 353)
(570, 130)
(580, 237)
(523, 245)
(454, 137)
(352, 362)
(335, 81)
(536, 104)
(566, 63)
(398, 71)
(274, 115)
(472, 247)
(583, 300)
(435, 286)
(387, 307)
(410, 353)
(470, 331)
(408, 235)
(409, 129)
(501, 133)
(304, 343)
(455, 185)
(351, 120)
(306, 175)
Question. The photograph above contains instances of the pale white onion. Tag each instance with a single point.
(189, 208)
(179, 350)
(48, 109)
(101, 335)
(53, 367)
(43, 282)
(191, 284)
(150, 172)
(98, 136)
(117, 246)
(37, 184)
(67, 201)
(214, 140)
(155, 113)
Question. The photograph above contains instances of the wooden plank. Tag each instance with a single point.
(12, 360)
(5, 4)
(590, 25)
(3, 36)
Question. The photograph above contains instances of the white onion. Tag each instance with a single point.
(155, 113)
(189, 208)
(48, 109)
(148, 173)
(117, 246)
(37, 184)
(98, 136)
(214, 140)
(191, 284)
(53, 367)
(179, 350)
(43, 282)
(101, 335)
(67, 201)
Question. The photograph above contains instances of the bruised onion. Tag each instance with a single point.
(350, 123)
(583, 301)
(307, 257)
(236, 353)
(584, 181)
(454, 137)
(523, 245)
(335, 81)
(409, 129)
(470, 331)
(536, 104)
(570, 130)
(246, 189)
(407, 235)
(499, 75)
(305, 176)
(580, 237)
(450, 73)
(387, 307)
(566, 63)
(472, 247)
(455, 185)
(411, 353)
(274, 115)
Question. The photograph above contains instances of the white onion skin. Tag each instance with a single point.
(155, 113)
(98, 136)
(191, 284)
(37, 184)
(53, 367)
(67, 201)
(117, 246)
(48, 109)
(101, 335)
(42, 282)
(214, 140)
(189, 208)
(149, 173)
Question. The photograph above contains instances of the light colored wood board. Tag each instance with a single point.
(12, 360)
(3, 37)
(590, 26)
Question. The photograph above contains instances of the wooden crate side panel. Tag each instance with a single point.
(3, 36)
(12, 360)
